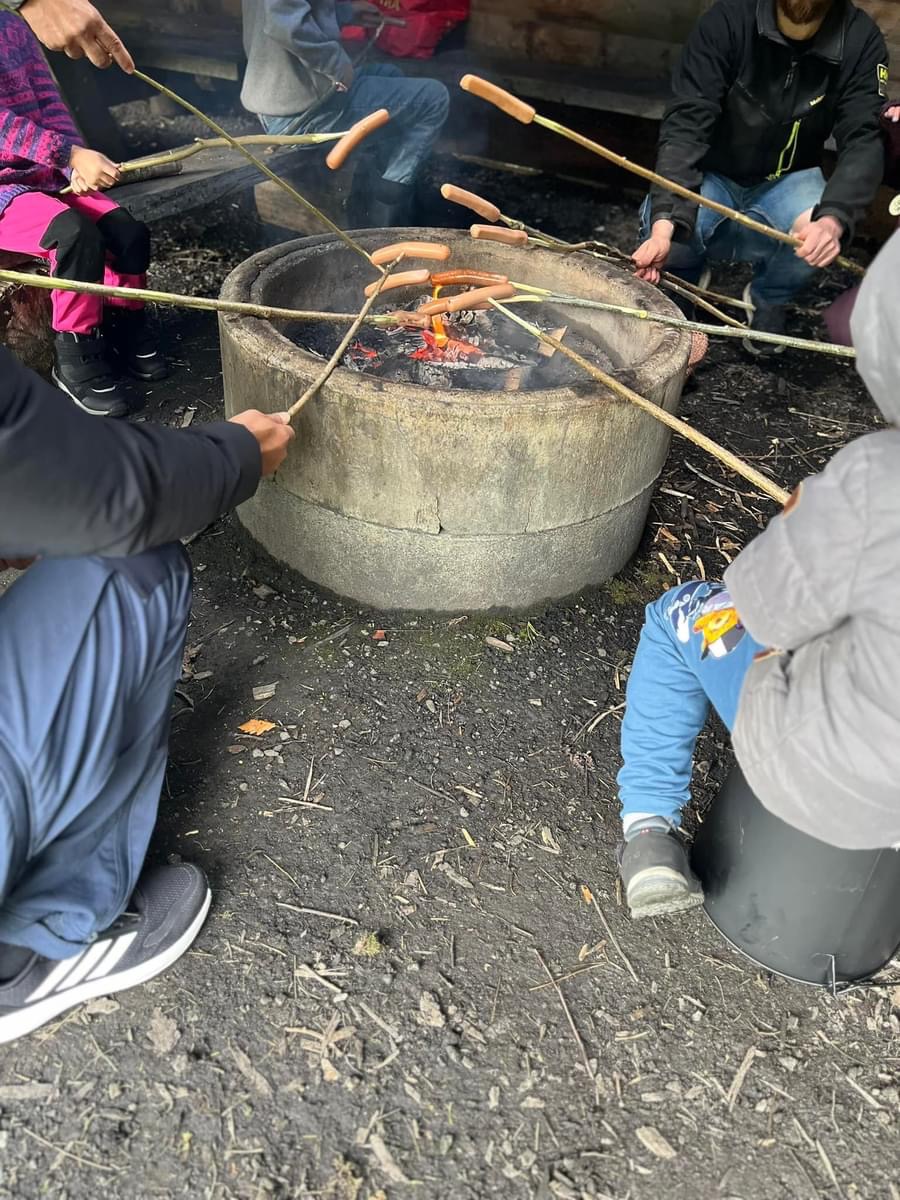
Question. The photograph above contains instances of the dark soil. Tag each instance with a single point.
(449, 808)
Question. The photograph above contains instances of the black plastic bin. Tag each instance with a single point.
(797, 906)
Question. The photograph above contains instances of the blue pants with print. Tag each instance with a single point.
(778, 274)
(90, 653)
(693, 652)
(418, 109)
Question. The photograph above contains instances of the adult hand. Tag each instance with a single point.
(76, 27)
(92, 171)
(651, 257)
(273, 432)
(820, 241)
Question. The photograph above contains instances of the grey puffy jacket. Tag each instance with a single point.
(818, 725)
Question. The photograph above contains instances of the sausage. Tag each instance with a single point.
(489, 233)
(411, 320)
(419, 278)
(477, 298)
(505, 101)
(387, 254)
(465, 278)
(478, 204)
(340, 151)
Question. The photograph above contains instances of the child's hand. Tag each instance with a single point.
(92, 171)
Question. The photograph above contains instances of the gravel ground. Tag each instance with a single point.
(448, 808)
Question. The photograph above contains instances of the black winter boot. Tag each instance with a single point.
(84, 372)
(133, 342)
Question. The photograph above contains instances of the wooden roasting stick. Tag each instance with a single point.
(659, 414)
(237, 308)
(337, 156)
(527, 114)
(339, 353)
(490, 212)
(153, 163)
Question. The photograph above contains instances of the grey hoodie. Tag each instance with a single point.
(818, 725)
(294, 55)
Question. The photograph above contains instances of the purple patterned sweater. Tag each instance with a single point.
(37, 132)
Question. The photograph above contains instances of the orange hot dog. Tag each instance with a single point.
(478, 204)
(340, 151)
(463, 278)
(505, 101)
(489, 233)
(420, 278)
(433, 250)
(477, 298)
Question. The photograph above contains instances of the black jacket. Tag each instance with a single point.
(72, 484)
(751, 106)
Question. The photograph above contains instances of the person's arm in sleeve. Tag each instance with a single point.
(795, 580)
(292, 25)
(860, 146)
(71, 484)
(699, 85)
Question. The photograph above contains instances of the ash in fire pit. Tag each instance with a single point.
(480, 350)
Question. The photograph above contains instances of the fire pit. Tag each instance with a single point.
(497, 479)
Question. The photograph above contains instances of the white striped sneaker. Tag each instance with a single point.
(167, 911)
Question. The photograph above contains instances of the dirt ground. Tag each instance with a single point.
(448, 810)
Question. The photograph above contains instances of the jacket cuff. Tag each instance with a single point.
(246, 450)
(61, 152)
(826, 209)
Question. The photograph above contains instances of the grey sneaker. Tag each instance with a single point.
(657, 876)
(764, 318)
(167, 911)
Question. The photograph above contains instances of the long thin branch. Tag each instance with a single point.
(348, 337)
(238, 308)
(565, 1008)
(267, 171)
(654, 410)
(726, 331)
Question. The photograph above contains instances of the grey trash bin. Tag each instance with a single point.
(797, 906)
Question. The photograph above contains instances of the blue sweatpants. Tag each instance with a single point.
(90, 652)
(778, 274)
(693, 652)
(418, 109)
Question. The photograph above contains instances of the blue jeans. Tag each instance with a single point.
(693, 652)
(418, 109)
(90, 653)
(778, 274)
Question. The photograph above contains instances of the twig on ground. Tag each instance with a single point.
(741, 1074)
(565, 1008)
(615, 941)
(316, 912)
(80, 1159)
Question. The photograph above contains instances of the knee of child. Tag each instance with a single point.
(73, 233)
(127, 239)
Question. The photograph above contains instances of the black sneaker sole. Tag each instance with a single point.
(122, 411)
(22, 1021)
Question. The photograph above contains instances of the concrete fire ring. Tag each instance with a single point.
(402, 497)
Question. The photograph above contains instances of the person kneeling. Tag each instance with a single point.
(797, 651)
(760, 87)
(83, 235)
